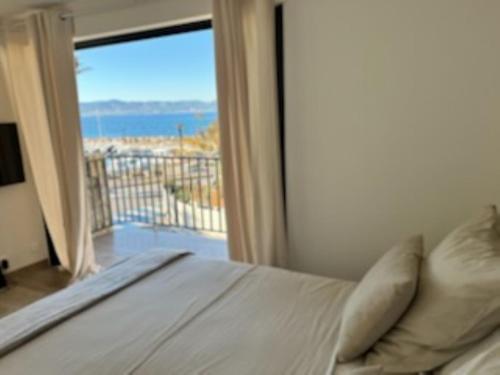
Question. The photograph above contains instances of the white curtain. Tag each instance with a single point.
(39, 65)
(248, 115)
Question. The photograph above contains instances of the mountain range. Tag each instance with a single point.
(120, 107)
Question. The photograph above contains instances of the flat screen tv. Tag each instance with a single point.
(11, 161)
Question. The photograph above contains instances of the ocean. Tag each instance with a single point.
(117, 126)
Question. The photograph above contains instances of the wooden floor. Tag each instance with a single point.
(32, 283)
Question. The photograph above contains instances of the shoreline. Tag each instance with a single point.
(156, 145)
(136, 114)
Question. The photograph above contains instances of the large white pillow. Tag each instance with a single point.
(380, 299)
(457, 304)
(357, 368)
(483, 358)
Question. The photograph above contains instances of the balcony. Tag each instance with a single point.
(147, 201)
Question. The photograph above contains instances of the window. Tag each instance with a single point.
(149, 123)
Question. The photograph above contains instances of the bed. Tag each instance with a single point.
(164, 312)
(174, 313)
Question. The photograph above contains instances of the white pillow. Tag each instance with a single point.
(380, 299)
(483, 358)
(357, 368)
(457, 304)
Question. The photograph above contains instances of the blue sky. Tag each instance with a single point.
(177, 67)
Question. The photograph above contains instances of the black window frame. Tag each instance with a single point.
(205, 25)
(146, 34)
(186, 28)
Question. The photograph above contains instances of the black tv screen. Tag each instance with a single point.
(11, 161)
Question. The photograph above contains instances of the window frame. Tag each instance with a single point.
(146, 34)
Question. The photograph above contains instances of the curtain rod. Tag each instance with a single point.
(67, 15)
(75, 14)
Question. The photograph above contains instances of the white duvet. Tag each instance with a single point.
(197, 316)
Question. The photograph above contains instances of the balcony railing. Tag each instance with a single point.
(181, 192)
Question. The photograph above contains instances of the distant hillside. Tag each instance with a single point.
(119, 107)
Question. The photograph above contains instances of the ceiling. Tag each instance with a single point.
(15, 6)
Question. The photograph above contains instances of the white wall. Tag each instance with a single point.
(393, 124)
(393, 119)
(22, 237)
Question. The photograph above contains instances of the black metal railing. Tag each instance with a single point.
(158, 190)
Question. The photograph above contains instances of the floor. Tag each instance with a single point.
(30, 284)
(128, 240)
(37, 281)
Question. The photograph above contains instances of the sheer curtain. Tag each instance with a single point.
(248, 115)
(39, 65)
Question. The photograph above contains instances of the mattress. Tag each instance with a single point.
(196, 316)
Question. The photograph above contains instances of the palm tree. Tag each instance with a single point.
(79, 68)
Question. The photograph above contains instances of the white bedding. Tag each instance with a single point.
(197, 316)
(39, 317)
